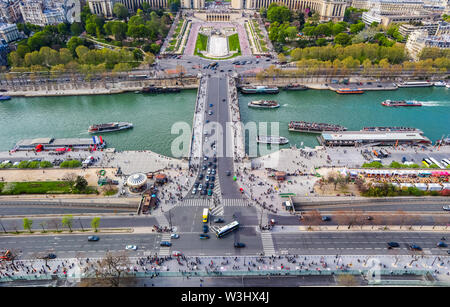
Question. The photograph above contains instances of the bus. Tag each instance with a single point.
(205, 215)
(227, 229)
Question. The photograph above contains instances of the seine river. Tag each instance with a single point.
(153, 115)
(352, 111)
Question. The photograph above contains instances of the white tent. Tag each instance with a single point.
(434, 187)
(421, 186)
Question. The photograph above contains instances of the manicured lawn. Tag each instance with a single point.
(233, 43)
(201, 44)
(40, 187)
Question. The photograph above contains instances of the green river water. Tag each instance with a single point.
(153, 115)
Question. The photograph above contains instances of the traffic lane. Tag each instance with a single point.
(72, 245)
(362, 242)
(11, 224)
(413, 206)
(377, 219)
(190, 243)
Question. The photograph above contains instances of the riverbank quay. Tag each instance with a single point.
(152, 266)
(35, 88)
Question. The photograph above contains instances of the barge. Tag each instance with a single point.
(295, 87)
(401, 103)
(392, 129)
(349, 91)
(301, 126)
(415, 84)
(378, 138)
(159, 90)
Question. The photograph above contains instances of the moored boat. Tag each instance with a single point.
(295, 87)
(301, 126)
(401, 103)
(265, 104)
(440, 84)
(279, 140)
(415, 84)
(392, 129)
(159, 90)
(110, 127)
(5, 97)
(260, 89)
(349, 91)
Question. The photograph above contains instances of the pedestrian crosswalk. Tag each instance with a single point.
(234, 202)
(217, 191)
(216, 211)
(162, 220)
(196, 202)
(267, 243)
(165, 250)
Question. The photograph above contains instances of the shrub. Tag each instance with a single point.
(33, 164)
(23, 164)
(71, 163)
(45, 164)
(374, 164)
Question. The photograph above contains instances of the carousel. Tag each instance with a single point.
(137, 182)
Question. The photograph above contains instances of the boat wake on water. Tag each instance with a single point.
(435, 103)
(285, 105)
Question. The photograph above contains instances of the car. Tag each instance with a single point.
(267, 60)
(211, 186)
(194, 191)
(214, 166)
(210, 112)
(93, 238)
(205, 158)
(207, 121)
(205, 228)
(50, 256)
(326, 218)
(131, 247)
(369, 218)
(176, 253)
(196, 184)
(446, 208)
(218, 220)
(174, 236)
(207, 178)
(204, 236)
(200, 176)
(209, 163)
(228, 173)
(212, 178)
(209, 192)
(369, 83)
(393, 244)
(249, 62)
(213, 172)
(229, 70)
(206, 185)
(239, 244)
(200, 186)
(209, 171)
(165, 243)
(204, 167)
(442, 244)
(215, 160)
(221, 70)
(203, 192)
(414, 247)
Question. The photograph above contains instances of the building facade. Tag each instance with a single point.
(10, 11)
(37, 13)
(431, 27)
(101, 7)
(4, 51)
(9, 32)
(193, 4)
(327, 9)
(420, 39)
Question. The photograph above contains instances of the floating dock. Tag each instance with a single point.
(59, 144)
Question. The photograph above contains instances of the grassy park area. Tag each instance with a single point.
(42, 187)
(233, 44)
(201, 44)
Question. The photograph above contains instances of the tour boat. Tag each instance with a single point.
(440, 84)
(5, 97)
(415, 84)
(401, 103)
(110, 127)
(295, 87)
(260, 89)
(301, 126)
(266, 104)
(349, 91)
(280, 140)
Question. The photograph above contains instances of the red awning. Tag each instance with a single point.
(60, 149)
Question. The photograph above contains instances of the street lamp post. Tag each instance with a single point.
(79, 220)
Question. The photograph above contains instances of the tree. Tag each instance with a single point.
(120, 11)
(43, 224)
(95, 223)
(280, 14)
(347, 280)
(323, 30)
(342, 39)
(67, 221)
(357, 27)
(108, 271)
(73, 43)
(337, 28)
(55, 223)
(76, 28)
(70, 179)
(81, 183)
(27, 223)
(311, 218)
